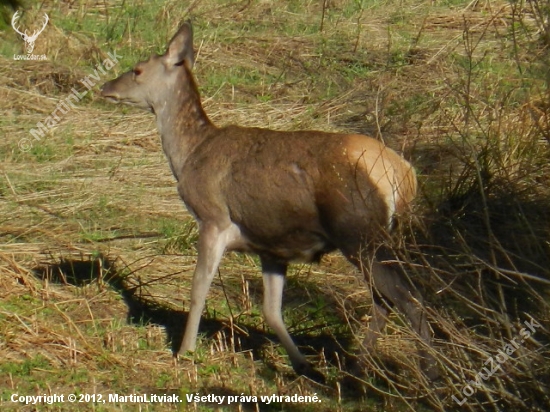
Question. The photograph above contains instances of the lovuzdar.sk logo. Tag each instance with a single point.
(29, 39)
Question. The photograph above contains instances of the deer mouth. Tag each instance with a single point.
(119, 100)
(112, 99)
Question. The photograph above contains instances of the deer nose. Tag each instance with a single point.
(107, 91)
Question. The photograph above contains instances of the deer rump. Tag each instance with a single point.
(293, 195)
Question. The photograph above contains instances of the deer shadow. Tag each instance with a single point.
(143, 310)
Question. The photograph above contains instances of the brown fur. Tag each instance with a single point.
(287, 196)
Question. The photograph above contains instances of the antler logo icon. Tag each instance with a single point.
(29, 40)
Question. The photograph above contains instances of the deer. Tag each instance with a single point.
(286, 196)
(29, 39)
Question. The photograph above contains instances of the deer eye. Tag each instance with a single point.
(137, 71)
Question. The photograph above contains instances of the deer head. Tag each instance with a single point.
(29, 39)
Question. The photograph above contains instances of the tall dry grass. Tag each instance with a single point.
(93, 232)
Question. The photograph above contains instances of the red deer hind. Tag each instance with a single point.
(286, 196)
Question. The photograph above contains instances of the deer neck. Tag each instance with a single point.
(182, 124)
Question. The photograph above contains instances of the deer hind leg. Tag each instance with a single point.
(274, 280)
(389, 285)
(378, 319)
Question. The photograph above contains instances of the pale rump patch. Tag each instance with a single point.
(393, 176)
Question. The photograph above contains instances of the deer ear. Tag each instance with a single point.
(180, 48)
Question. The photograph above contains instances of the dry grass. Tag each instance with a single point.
(97, 250)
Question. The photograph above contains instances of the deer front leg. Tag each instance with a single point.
(274, 281)
(211, 246)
